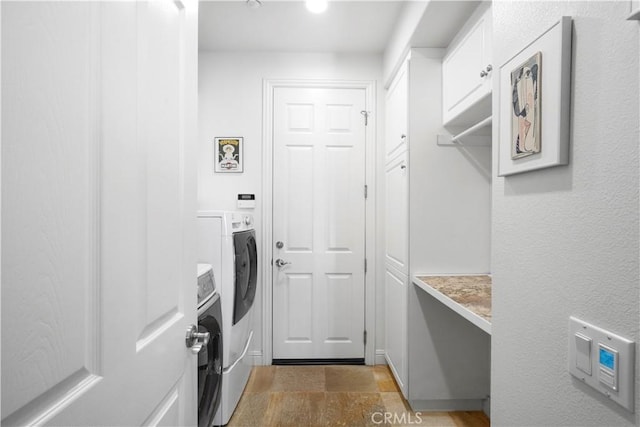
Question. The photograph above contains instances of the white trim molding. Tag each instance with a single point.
(269, 86)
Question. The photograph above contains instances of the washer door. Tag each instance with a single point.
(246, 273)
(210, 365)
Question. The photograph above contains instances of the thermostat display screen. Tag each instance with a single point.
(607, 359)
(246, 201)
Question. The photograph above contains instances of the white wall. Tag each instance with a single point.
(399, 42)
(230, 89)
(565, 240)
(450, 186)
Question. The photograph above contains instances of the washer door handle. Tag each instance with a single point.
(196, 340)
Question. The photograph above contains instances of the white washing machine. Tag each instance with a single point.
(210, 356)
(226, 240)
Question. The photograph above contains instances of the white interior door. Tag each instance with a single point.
(98, 213)
(319, 216)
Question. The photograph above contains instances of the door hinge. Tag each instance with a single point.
(365, 265)
(366, 116)
(364, 337)
(366, 191)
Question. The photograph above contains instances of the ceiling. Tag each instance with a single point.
(286, 26)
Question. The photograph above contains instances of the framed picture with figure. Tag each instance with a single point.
(534, 94)
(228, 156)
(525, 117)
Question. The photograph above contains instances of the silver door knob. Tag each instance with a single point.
(483, 73)
(196, 340)
(281, 263)
(279, 245)
(489, 68)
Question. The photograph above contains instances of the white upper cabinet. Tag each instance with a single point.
(467, 73)
(396, 114)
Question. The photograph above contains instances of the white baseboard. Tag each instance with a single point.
(380, 359)
(255, 358)
(486, 407)
(447, 405)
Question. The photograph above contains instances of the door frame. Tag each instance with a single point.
(269, 86)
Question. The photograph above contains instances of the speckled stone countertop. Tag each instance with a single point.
(470, 296)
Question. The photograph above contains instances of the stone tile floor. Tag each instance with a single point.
(329, 396)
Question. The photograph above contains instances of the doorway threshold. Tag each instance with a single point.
(293, 362)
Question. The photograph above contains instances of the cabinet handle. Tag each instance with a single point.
(486, 71)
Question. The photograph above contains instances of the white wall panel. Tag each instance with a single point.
(577, 225)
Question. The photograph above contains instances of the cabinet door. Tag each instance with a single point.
(396, 326)
(397, 213)
(466, 70)
(396, 114)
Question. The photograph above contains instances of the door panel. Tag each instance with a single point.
(341, 234)
(98, 213)
(299, 306)
(319, 157)
(397, 104)
(396, 326)
(397, 214)
(339, 291)
(159, 113)
(49, 187)
(298, 217)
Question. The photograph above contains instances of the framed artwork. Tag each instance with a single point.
(525, 115)
(228, 154)
(534, 103)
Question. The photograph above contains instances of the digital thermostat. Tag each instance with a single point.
(608, 364)
(246, 201)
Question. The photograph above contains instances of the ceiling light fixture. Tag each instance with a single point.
(317, 6)
(254, 4)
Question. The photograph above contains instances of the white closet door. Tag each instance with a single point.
(98, 213)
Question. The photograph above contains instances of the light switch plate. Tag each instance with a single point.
(580, 332)
(583, 353)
